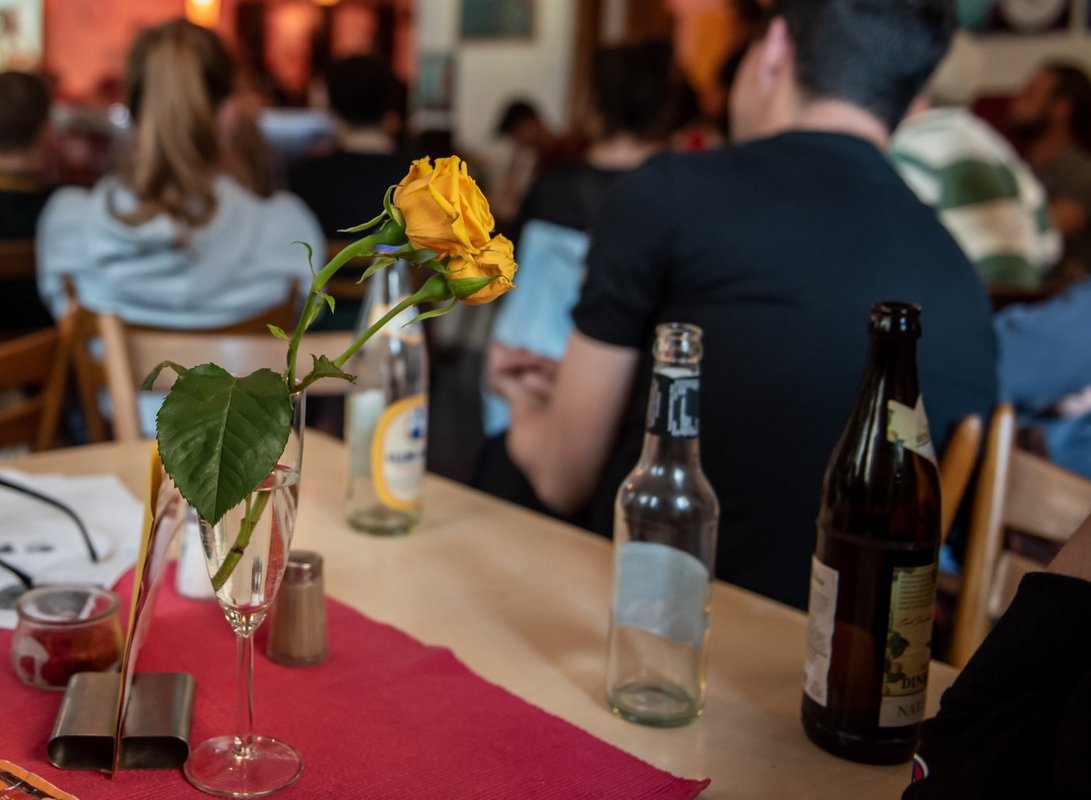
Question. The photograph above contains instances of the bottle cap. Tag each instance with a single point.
(899, 319)
(303, 566)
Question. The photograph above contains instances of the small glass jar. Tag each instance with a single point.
(62, 630)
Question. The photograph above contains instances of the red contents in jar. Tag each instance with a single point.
(91, 649)
(48, 647)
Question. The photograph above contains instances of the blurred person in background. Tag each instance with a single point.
(24, 115)
(634, 108)
(984, 193)
(777, 248)
(535, 149)
(1045, 371)
(361, 94)
(1051, 119)
(178, 238)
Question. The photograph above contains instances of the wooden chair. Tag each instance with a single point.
(35, 365)
(956, 467)
(130, 353)
(1016, 491)
(87, 357)
(17, 259)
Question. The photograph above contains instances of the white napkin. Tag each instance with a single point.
(45, 543)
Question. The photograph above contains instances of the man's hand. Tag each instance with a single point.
(511, 372)
(564, 418)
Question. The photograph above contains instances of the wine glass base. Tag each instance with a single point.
(226, 767)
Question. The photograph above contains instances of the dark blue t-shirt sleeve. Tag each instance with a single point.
(630, 248)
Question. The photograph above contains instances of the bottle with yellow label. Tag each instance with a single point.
(873, 576)
(386, 414)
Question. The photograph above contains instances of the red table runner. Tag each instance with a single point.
(383, 717)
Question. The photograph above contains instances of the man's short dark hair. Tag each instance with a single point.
(24, 108)
(876, 54)
(515, 114)
(360, 89)
(635, 90)
(1074, 86)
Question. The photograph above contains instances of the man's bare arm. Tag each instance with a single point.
(561, 440)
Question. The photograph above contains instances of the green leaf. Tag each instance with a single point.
(328, 300)
(391, 209)
(310, 255)
(220, 436)
(439, 267)
(278, 332)
(418, 257)
(378, 263)
(149, 380)
(371, 223)
(464, 287)
(312, 315)
(435, 312)
(324, 368)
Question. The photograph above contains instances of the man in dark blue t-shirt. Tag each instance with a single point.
(777, 248)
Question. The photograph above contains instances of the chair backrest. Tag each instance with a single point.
(131, 353)
(17, 259)
(87, 356)
(1016, 491)
(956, 466)
(35, 367)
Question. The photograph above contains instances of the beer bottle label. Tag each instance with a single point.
(909, 426)
(397, 453)
(821, 608)
(908, 646)
(672, 405)
(663, 590)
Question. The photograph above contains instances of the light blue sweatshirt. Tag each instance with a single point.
(242, 262)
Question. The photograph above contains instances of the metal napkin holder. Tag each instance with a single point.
(157, 722)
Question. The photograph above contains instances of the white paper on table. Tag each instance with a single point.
(45, 542)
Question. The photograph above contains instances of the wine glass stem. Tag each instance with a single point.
(244, 707)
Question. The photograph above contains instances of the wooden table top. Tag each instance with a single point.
(524, 601)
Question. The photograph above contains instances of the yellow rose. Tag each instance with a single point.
(481, 278)
(444, 209)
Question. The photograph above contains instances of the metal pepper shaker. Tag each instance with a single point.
(297, 635)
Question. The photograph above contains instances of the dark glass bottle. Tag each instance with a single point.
(874, 570)
(666, 518)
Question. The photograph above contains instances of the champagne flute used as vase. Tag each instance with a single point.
(244, 764)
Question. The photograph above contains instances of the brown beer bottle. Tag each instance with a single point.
(873, 574)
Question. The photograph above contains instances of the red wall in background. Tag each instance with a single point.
(86, 40)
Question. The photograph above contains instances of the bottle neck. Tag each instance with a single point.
(673, 421)
(390, 284)
(891, 372)
(386, 288)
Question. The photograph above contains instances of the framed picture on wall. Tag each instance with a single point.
(21, 40)
(497, 19)
(1026, 17)
(435, 82)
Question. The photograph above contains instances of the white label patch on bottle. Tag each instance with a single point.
(397, 453)
(910, 427)
(661, 589)
(908, 646)
(821, 609)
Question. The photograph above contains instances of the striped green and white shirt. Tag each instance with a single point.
(985, 195)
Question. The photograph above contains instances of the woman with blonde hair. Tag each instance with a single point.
(178, 238)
